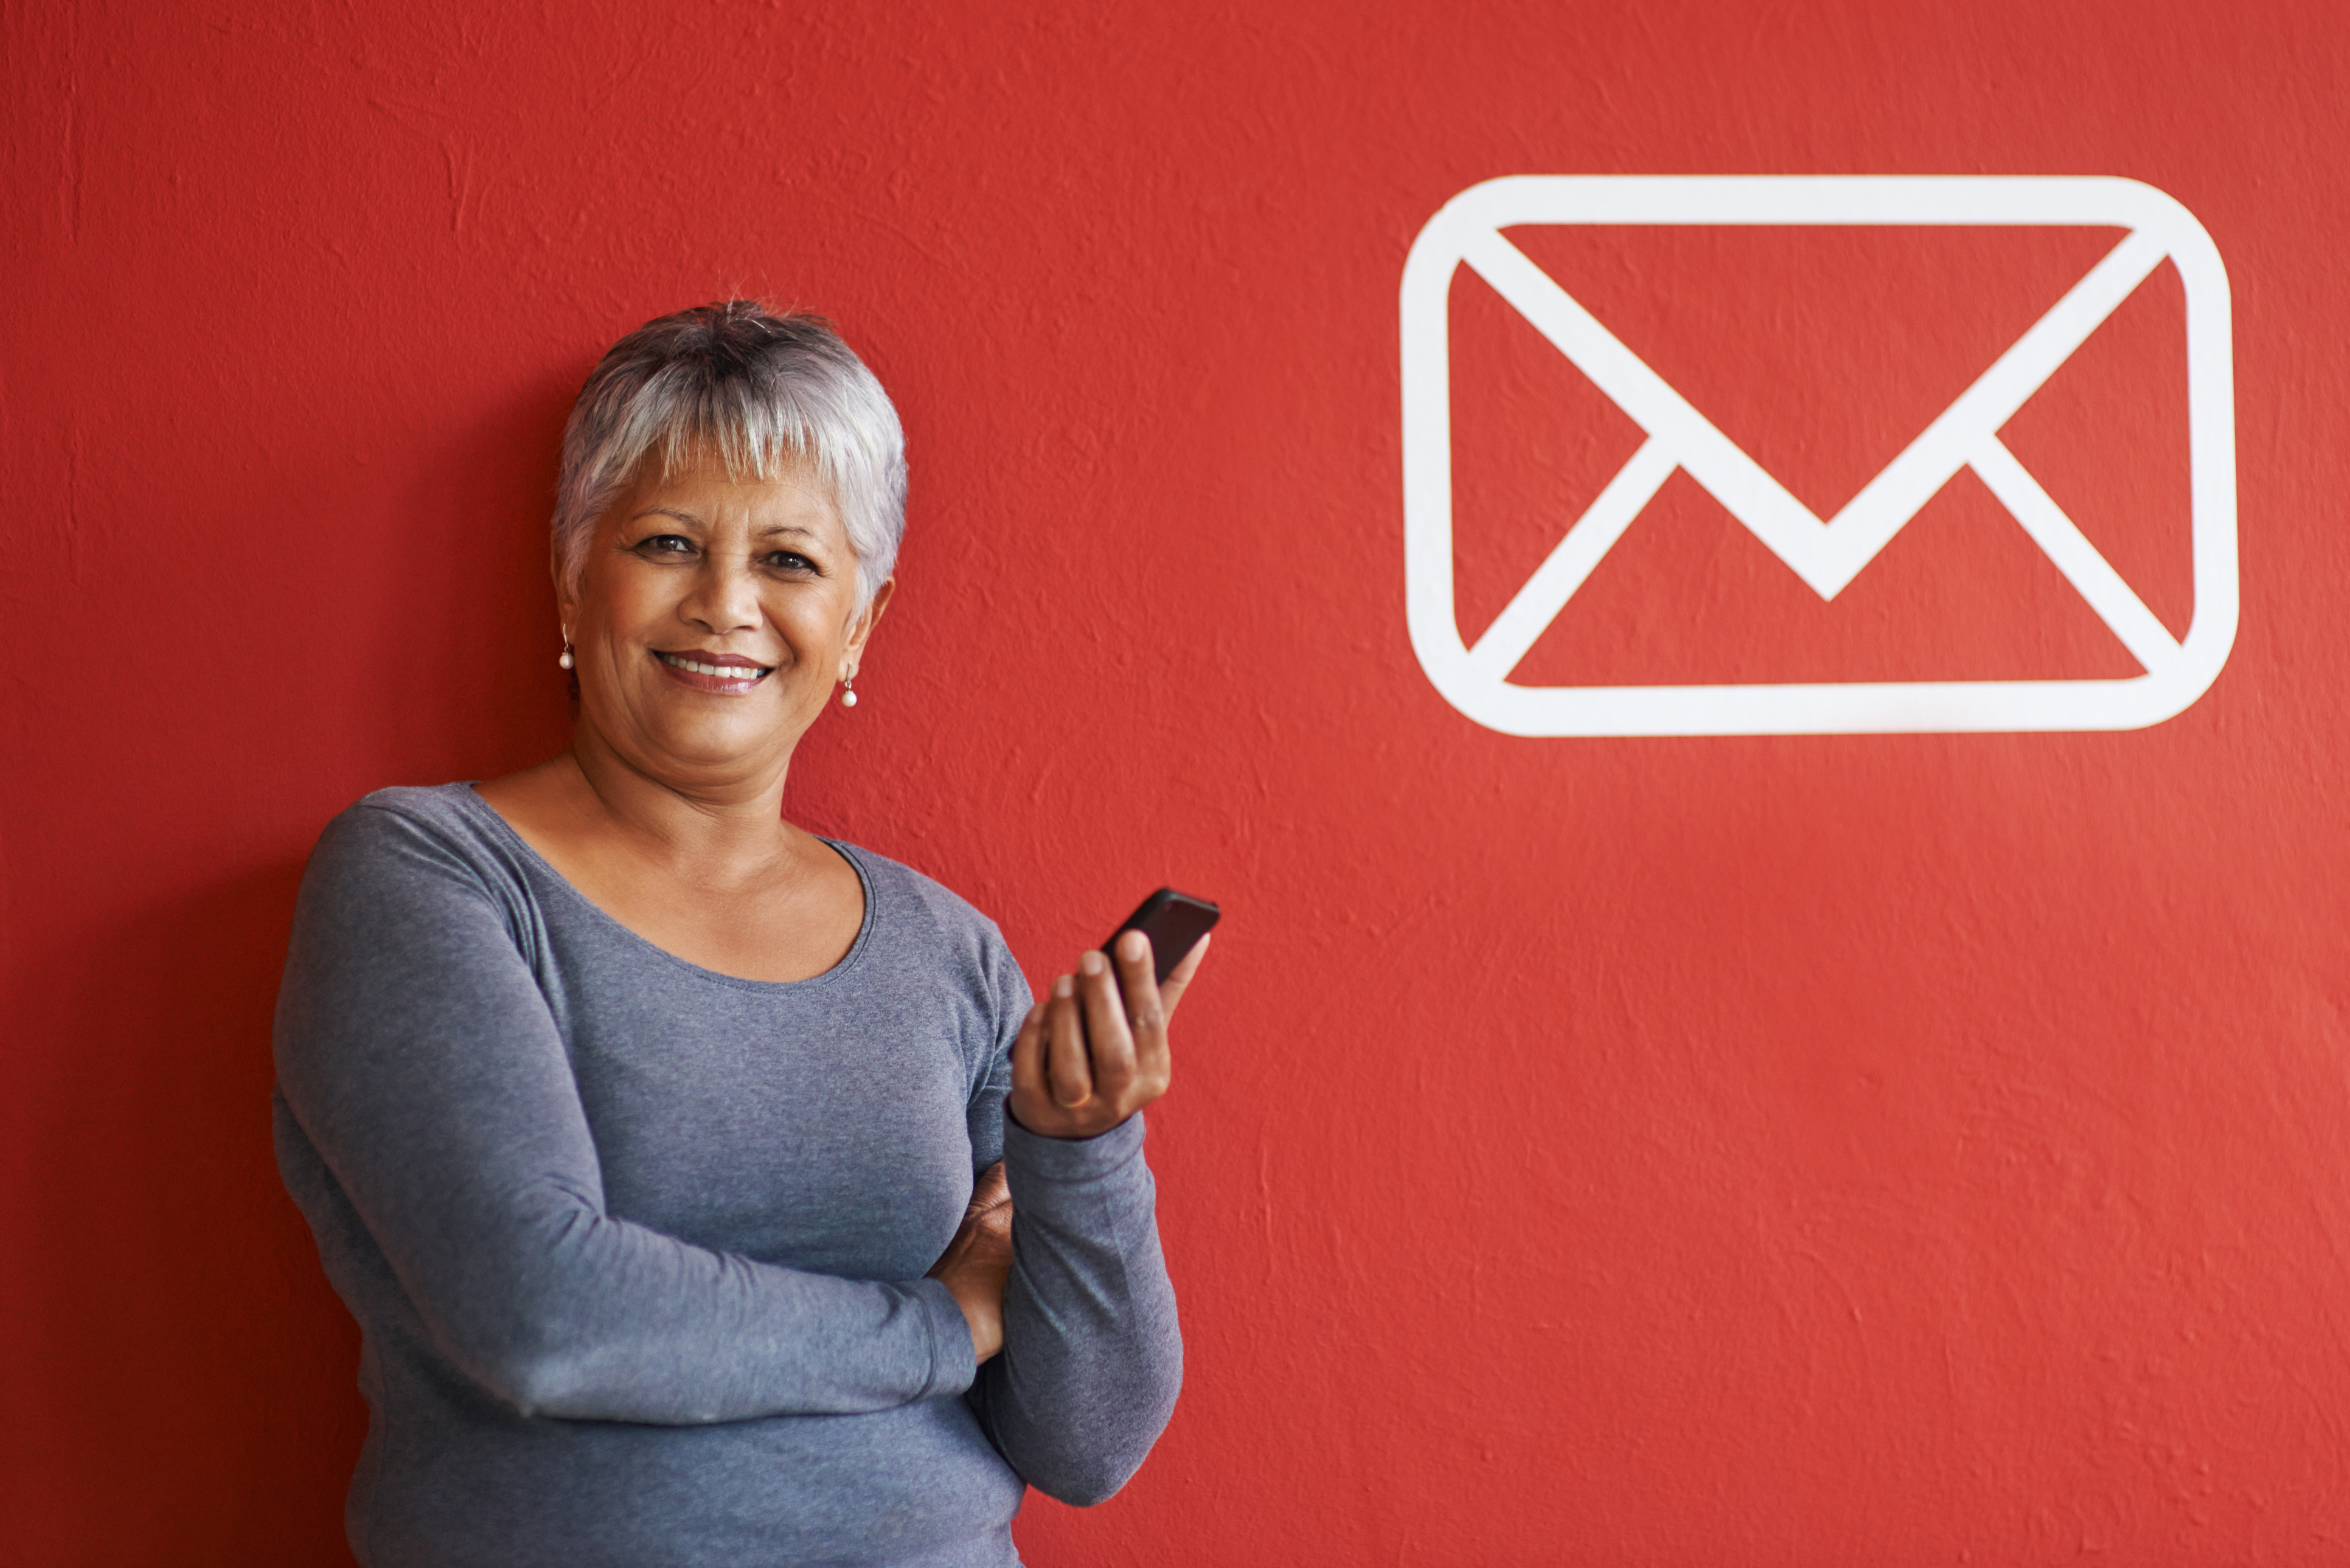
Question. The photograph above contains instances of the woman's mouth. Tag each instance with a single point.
(722, 673)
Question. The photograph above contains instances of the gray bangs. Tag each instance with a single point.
(765, 394)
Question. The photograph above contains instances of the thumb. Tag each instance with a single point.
(1172, 994)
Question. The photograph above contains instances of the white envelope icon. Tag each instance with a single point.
(1826, 553)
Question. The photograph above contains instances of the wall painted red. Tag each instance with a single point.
(1844, 1149)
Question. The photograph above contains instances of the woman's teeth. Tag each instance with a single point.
(724, 671)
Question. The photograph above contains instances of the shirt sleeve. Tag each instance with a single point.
(1093, 1355)
(419, 1061)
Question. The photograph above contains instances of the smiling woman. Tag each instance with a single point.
(670, 1155)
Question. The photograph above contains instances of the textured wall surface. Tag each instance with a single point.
(1844, 1149)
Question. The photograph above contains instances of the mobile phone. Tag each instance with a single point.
(1173, 922)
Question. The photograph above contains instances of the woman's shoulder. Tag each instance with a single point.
(923, 925)
(917, 910)
(442, 830)
(900, 884)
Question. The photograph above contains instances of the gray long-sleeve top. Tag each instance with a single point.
(637, 1248)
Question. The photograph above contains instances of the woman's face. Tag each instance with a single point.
(712, 619)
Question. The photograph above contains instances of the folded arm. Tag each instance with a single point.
(420, 1062)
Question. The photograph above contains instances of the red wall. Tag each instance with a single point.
(1845, 1148)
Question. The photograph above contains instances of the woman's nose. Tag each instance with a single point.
(724, 597)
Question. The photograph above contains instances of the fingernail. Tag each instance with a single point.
(1064, 986)
(1091, 963)
(1138, 946)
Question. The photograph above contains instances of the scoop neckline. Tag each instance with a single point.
(849, 852)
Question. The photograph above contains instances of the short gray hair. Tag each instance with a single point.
(766, 392)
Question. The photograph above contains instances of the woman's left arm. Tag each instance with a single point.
(1092, 1355)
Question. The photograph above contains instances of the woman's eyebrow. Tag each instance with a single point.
(786, 528)
(681, 515)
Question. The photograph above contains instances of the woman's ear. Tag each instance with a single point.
(867, 620)
(563, 605)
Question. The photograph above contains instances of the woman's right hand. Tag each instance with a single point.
(979, 1260)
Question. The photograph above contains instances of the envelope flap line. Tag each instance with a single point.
(1826, 555)
(1784, 525)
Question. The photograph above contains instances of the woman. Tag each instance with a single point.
(653, 1140)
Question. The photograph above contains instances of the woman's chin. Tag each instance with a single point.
(700, 744)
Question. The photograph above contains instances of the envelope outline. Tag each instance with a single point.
(1826, 555)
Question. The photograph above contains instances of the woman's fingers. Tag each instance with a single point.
(1107, 1025)
(1071, 1075)
(1094, 1051)
(1145, 1018)
(978, 1261)
(991, 1191)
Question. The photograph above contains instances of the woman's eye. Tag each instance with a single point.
(666, 545)
(791, 561)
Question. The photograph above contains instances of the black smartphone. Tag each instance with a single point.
(1173, 922)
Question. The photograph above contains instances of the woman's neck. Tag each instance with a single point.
(592, 804)
(705, 869)
(712, 823)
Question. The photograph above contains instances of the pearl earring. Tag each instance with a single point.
(564, 660)
(848, 690)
